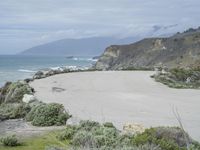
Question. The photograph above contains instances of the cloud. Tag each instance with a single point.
(28, 23)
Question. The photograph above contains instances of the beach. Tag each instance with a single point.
(121, 97)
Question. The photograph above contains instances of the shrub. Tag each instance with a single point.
(16, 91)
(67, 134)
(181, 74)
(167, 138)
(180, 78)
(20, 111)
(195, 146)
(148, 146)
(10, 141)
(93, 135)
(83, 139)
(48, 115)
(108, 125)
(3, 92)
(88, 125)
(13, 110)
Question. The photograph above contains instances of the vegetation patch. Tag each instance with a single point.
(13, 110)
(10, 141)
(14, 92)
(92, 135)
(180, 78)
(38, 113)
(11, 104)
(137, 69)
(168, 138)
(40, 142)
(95, 136)
(48, 115)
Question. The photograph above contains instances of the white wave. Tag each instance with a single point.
(91, 59)
(28, 71)
(71, 67)
(84, 59)
(55, 68)
(76, 58)
(64, 67)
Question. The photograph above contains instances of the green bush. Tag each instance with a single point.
(195, 146)
(10, 141)
(180, 73)
(13, 110)
(11, 104)
(180, 78)
(167, 138)
(84, 139)
(20, 111)
(92, 135)
(15, 92)
(67, 133)
(88, 125)
(109, 125)
(48, 115)
(3, 92)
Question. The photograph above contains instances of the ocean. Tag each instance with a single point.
(16, 67)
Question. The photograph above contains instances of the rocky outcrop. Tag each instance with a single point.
(133, 128)
(180, 50)
(28, 98)
(50, 72)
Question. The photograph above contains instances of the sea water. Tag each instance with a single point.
(16, 67)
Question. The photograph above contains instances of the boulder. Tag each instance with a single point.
(27, 80)
(28, 98)
(133, 128)
(38, 75)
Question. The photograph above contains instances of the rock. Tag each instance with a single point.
(96, 57)
(66, 70)
(38, 75)
(188, 80)
(27, 80)
(133, 128)
(50, 73)
(57, 89)
(28, 98)
(164, 71)
(157, 71)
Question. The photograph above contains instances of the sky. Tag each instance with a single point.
(27, 23)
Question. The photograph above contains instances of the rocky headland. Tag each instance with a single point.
(180, 50)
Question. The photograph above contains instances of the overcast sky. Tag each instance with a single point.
(27, 23)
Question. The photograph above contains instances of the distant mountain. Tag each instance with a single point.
(179, 50)
(76, 47)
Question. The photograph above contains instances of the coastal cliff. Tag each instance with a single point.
(180, 50)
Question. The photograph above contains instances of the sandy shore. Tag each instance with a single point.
(121, 97)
